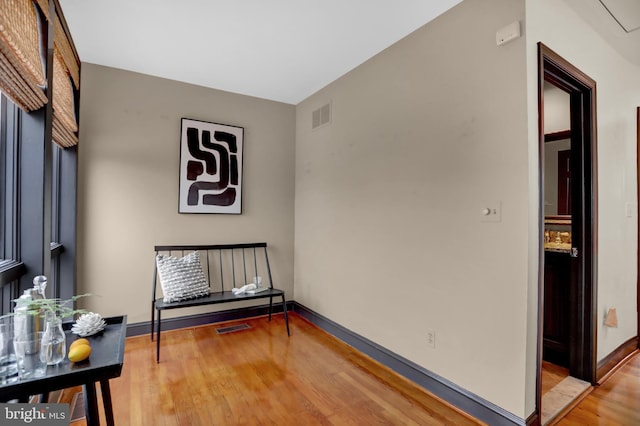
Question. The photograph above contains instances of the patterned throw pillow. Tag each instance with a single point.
(181, 278)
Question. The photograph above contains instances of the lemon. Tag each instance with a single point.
(79, 352)
(81, 341)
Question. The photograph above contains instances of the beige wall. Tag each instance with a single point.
(128, 182)
(557, 25)
(389, 237)
(556, 109)
(556, 119)
(561, 25)
(551, 150)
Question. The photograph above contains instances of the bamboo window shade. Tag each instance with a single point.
(22, 64)
(22, 76)
(64, 120)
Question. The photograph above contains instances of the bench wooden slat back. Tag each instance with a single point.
(222, 265)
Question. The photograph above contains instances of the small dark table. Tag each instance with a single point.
(105, 362)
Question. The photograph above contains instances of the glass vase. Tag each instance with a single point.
(54, 342)
(8, 361)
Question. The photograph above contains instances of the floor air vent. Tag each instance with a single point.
(232, 328)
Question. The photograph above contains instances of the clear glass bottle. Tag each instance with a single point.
(28, 317)
(53, 347)
(39, 284)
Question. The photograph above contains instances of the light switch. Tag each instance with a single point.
(491, 211)
(628, 210)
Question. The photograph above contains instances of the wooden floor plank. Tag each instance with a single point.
(615, 402)
(261, 376)
(552, 375)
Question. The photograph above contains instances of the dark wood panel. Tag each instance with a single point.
(557, 136)
(557, 281)
(638, 189)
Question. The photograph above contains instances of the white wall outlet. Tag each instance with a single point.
(628, 210)
(431, 338)
(491, 211)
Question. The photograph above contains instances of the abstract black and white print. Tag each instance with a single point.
(210, 167)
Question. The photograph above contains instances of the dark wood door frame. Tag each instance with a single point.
(638, 203)
(583, 310)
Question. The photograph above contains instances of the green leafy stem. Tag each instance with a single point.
(55, 307)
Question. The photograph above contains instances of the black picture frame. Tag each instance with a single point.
(210, 167)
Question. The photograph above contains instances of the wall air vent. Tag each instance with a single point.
(321, 116)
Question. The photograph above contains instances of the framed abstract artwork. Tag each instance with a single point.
(210, 167)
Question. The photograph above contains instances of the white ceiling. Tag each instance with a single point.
(283, 50)
(625, 12)
(614, 20)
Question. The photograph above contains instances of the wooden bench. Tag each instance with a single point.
(225, 266)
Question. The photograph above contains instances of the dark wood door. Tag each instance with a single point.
(582, 309)
(557, 284)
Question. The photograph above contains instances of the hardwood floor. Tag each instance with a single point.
(552, 375)
(615, 402)
(261, 376)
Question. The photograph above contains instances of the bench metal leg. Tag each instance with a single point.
(286, 317)
(153, 308)
(158, 340)
(270, 307)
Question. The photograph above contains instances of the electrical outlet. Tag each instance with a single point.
(431, 338)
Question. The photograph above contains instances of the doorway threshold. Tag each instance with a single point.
(561, 398)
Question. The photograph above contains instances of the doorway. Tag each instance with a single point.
(570, 339)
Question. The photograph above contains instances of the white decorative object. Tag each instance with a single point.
(243, 289)
(88, 324)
